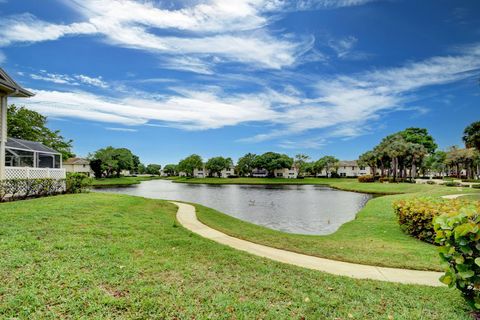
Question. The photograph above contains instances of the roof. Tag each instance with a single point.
(76, 161)
(20, 144)
(347, 163)
(9, 87)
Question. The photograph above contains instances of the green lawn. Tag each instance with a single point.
(472, 197)
(374, 237)
(105, 256)
(122, 181)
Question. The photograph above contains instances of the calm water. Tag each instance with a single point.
(295, 209)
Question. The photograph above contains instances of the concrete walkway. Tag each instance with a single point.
(187, 217)
(455, 196)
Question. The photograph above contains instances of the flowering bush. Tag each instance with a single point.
(459, 235)
(366, 178)
(415, 215)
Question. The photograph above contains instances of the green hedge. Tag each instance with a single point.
(13, 189)
(415, 215)
(459, 235)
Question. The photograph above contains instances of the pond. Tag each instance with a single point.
(302, 209)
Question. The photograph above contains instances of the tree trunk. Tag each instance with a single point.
(395, 164)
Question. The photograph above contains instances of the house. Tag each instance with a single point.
(26, 159)
(291, 173)
(352, 169)
(347, 169)
(79, 165)
(9, 88)
(225, 173)
(203, 172)
(200, 173)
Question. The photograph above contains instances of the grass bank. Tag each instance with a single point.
(120, 182)
(373, 238)
(341, 183)
(105, 256)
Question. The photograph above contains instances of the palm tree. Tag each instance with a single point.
(300, 162)
(397, 150)
(417, 152)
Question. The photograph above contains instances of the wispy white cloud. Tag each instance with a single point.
(345, 103)
(234, 31)
(74, 80)
(342, 106)
(192, 110)
(191, 64)
(231, 30)
(121, 129)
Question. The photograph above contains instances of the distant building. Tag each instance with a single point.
(200, 173)
(348, 169)
(79, 165)
(291, 173)
(203, 172)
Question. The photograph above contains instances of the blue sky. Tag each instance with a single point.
(216, 77)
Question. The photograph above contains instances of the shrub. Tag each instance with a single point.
(366, 178)
(13, 189)
(334, 174)
(415, 215)
(476, 186)
(78, 182)
(430, 182)
(471, 180)
(459, 234)
(452, 184)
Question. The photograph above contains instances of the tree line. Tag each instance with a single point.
(413, 150)
(247, 164)
(110, 162)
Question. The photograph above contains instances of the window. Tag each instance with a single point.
(279, 174)
(343, 174)
(362, 168)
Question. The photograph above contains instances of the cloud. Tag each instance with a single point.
(213, 31)
(27, 28)
(190, 64)
(73, 80)
(234, 31)
(121, 129)
(340, 106)
(192, 110)
(3, 57)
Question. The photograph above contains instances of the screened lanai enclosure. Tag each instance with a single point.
(28, 159)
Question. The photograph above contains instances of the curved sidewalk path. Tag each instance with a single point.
(187, 217)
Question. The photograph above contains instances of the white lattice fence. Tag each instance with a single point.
(15, 173)
(33, 173)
